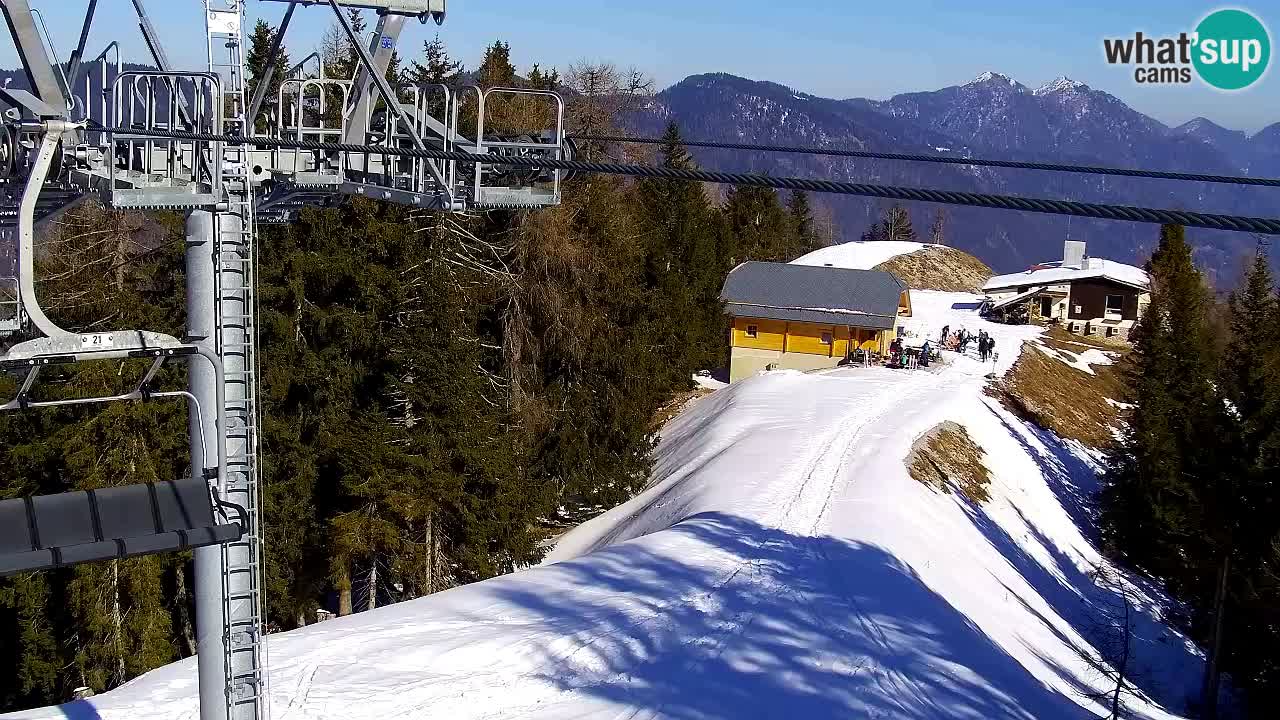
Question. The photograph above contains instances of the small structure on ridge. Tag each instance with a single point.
(804, 317)
(1085, 295)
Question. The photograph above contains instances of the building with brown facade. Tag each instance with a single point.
(1082, 294)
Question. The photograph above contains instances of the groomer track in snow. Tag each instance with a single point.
(782, 563)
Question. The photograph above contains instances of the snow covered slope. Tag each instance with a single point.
(858, 255)
(782, 563)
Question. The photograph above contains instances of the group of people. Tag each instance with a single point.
(960, 339)
(986, 346)
(900, 356)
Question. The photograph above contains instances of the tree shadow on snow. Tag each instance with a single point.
(1071, 479)
(770, 624)
(1162, 663)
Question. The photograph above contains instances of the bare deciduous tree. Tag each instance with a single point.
(598, 94)
(938, 228)
(1111, 637)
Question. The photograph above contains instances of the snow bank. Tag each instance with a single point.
(1082, 361)
(858, 255)
(706, 381)
(781, 564)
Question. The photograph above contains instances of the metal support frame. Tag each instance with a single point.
(73, 66)
(31, 51)
(206, 388)
(54, 130)
(491, 196)
(421, 9)
(164, 173)
(389, 97)
(154, 46)
(361, 103)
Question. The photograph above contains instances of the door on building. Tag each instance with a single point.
(1046, 306)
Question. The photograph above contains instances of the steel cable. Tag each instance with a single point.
(1212, 221)
(984, 162)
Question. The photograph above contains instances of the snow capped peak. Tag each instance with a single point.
(1062, 84)
(995, 82)
(1202, 124)
(989, 76)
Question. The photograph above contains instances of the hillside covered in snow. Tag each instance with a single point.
(782, 563)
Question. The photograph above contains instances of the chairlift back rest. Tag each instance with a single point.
(49, 531)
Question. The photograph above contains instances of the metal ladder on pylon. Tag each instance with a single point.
(236, 339)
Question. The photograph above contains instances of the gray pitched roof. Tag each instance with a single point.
(804, 293)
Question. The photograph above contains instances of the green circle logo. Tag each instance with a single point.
(1232, 49)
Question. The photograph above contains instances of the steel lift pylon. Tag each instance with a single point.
(67, 135)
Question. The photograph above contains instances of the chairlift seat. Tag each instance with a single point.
(50, 531)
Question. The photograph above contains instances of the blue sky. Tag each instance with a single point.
(836, 48)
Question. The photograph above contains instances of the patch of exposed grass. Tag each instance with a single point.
(1057, 338)
(676, 405)
(1073, 404)
(946, 457)
(938, 267)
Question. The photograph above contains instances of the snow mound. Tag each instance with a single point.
(858, 255)
(782, 563)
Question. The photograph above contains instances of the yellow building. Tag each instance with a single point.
(806, 318)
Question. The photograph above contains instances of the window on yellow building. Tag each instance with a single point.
(826, 338)
(752, 331)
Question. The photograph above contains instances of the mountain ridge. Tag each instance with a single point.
(993, 115)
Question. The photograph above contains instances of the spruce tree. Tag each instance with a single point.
(806, 238)
(256, 62)
(682, 268)
(1250, 378)
(436, 68)
(1172, 501)
(1161, 478)
(496, 69)
(540, 80)
(758, 225)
